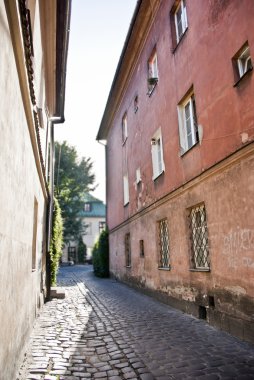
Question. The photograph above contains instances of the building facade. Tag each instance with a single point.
(33, 40)
(179, 126)
(93, 218)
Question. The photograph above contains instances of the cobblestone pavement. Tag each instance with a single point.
(105, 330)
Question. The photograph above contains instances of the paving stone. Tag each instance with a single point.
(129, 375)
(113, 372)
(100, 375)
(105, 330)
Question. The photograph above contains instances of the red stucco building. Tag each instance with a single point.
(179, 125)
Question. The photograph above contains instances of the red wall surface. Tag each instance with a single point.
(203, 59)
(218, 171)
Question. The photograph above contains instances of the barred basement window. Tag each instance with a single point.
(199, 238)
(141, 248)
(127, 244)
(164, 262)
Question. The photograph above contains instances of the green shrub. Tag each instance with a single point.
(101, 256)
(56, 241)
(81, 250)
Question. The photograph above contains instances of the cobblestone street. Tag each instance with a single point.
(105, 330)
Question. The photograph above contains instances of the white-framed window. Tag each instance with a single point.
(126, 197)
(138, 176)
(199, 238)
(153, 74)
(244, 62)
(102, 226)
(124, 128)
(163, 240)
(181, 22)
(187, 120)
(87, 207)
(157, 154)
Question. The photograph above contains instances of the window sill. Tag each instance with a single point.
(126, 204)
(164, 268)
(128, 266)
(180, 40)
(243, 76)
(33, 270)
(158, 175)
(200, 270)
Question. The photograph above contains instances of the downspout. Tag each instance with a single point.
(106, 178)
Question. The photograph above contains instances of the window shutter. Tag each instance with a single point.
(154, 160)
(182, 134)
(125, 190)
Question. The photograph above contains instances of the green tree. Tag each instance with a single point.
(101, 255)
(56, 243)
(73, 177)
(81, 250)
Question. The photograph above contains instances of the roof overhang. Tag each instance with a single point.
(55, 24)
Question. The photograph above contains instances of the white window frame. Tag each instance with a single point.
(126, 195)
(181, 9)
(153, 72)
(244, 62)
(87, 207)
(157, 154)
(138, 176)
(101, 226)
(124, 128)
(188, 133)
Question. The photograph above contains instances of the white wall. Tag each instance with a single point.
(19, 184)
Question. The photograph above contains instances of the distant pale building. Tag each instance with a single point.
(93, 217)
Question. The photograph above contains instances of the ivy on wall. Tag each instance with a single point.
(56, 241)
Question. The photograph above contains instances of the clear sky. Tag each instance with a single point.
(97, 34)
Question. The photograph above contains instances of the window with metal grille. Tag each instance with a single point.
(141, 248)
(164, 261)
(199, 238)
(127, 244)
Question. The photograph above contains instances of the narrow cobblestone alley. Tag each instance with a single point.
(105, 330)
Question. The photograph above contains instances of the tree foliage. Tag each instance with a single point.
(73, 177)
(56, 241)
(81, 250)
(101, 255)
